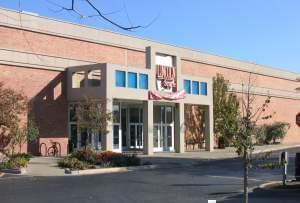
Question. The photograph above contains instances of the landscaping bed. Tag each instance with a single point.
(15, 163)
(87, 158)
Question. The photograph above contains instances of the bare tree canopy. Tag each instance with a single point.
(74, 7)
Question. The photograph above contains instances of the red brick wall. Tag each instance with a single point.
(46, 91)
(235, 76)
(50, 107)
(68, 48)
(286, 109)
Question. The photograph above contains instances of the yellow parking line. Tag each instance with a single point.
(1, 174)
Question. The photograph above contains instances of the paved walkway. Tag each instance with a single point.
(47, 166)
(218, 154)
(44, 166)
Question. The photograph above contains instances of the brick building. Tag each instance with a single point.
(56, 64)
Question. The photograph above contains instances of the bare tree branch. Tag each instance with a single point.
(109, 20)
(100, 14)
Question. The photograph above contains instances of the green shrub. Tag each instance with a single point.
(268, 133)
(276, 131)
(16, 162)
(73, 163)
(85, 154)
(86, 157)
(114, 159)
(26, 156)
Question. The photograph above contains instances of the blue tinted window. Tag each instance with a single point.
(120, 78)
(143, 81)
(203, 88)
(132, 80)
(195, 87)
(187, 86)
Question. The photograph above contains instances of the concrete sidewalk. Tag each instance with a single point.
(218, 154)
(47, 166)
(44, 166)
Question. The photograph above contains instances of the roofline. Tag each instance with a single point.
(10, 20)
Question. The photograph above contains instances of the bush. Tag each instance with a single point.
(86, 157)
(3, 158)
(85, 154)
(73, 163)
(276, 131)
(26, 156)
(271, 132)
(16, 162)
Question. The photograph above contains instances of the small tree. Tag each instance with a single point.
(13, 106)
(92, 114)
(226, 109)
(21, 135)
(248, 119)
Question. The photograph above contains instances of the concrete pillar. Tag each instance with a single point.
(148, 127)
(209, 128)
(179, 128)
(107, 140)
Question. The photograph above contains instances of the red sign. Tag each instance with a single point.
(298, 119)
(170, 96)
(167, 76)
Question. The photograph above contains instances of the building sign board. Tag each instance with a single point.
(152, 95)
(298, 119)
(166, 77)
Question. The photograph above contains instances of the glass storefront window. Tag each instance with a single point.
(155, 136)
(195, 87)
(132, 80)
(72, 112)
(156, 114)
(120, 77)
(143, 81)
(187, 86)
(134, 115)
(73, 137)
(203, 88)
(169, 116)
(116, 140)
(84, 137)
(116, 113)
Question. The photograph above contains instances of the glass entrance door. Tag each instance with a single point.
(163, 132)
(136, 127)
(117, 132)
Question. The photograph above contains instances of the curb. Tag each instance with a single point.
(263, 186)
(19, 171)
(274, 149)
(109, 170)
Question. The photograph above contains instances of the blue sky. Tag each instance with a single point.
(264, 32)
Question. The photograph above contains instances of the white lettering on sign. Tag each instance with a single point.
(166, 77)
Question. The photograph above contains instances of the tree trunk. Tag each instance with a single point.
(246, 173)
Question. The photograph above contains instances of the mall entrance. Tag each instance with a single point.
(127, 126)
(163, 124)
